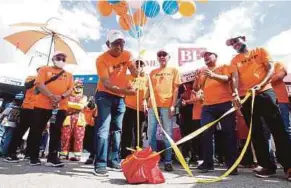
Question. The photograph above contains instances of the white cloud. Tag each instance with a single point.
(79, 23)
(235, 22)
(280, 44)
(279, 47)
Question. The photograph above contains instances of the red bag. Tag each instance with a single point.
(142, 167)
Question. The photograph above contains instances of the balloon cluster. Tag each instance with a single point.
(133, 20)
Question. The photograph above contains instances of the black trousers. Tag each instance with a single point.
(89, 140)
(26, 116)
(40, 120)
(265, 106)
(190, 149)
(129, 130)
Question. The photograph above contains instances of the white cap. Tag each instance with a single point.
(114, 35)
(59, 53)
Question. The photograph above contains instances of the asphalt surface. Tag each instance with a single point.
(76, 174)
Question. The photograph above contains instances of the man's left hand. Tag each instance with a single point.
(171, 111)
(208, 73)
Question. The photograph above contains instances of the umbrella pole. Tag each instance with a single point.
(48, 59)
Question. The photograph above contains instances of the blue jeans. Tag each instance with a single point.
(284, 109)
(111, 110)
(6, 139)
(152, 130)
(211, 113)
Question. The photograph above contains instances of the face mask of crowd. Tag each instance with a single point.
(59, 64)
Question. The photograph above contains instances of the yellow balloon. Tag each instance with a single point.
(187, 8)
(202, 1)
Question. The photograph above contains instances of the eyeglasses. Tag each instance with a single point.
(162, 54)
(118, 43)
(58, 58)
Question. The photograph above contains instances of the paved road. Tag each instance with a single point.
(78, 175)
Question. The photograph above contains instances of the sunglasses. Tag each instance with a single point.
(162, 54)
(79, 87)
(58, 58)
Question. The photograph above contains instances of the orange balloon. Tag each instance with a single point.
(120, 8)
(187, 8)
(139, 18)
(125, 22)
(104, 7)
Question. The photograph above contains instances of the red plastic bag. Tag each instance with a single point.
(142, 167)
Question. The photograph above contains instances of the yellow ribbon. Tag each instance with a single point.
(173, 145)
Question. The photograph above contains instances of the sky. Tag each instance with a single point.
(264, 23)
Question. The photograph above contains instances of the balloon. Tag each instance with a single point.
(125, 22)
(113, 1)
(177, 16)
(187, 8)
(104, 8)
(136, 32)
(139, 18)
(135, 3)
(117, 18)
(202, 1)
(170, 7)
(151, 8)
(120, 8)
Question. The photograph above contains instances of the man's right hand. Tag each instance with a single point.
(237, 102)
(55, 98)
(130, 91)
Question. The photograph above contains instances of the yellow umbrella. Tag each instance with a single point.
(25, 40)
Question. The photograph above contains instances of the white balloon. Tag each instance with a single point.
(117, 18)
(135, 3)
(177, 15)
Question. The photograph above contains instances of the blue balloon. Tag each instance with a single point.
(113, 1)
(151, 8)
(136, 32)
(170, 7)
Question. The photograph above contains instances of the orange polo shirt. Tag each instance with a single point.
(57, 87)
(164, 81)
(30, 97)
(131, 100)
(279, 86)
(252, 68)
(216, 92)
(113, 68)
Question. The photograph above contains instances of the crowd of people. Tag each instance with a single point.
(124, 109)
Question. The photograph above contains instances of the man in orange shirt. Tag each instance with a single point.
(129, 125)
(111, 90)
(53, 97)
(282, 94)
(214, 81)
(165, 82)
(26, 116)
(253, 69)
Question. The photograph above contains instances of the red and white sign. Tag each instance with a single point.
(189, 55)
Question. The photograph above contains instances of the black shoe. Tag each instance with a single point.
(54, 162)
(34, 162)
(234, 172)
(101, 172)
(11, 159)
(205, 168)
(89, 161)
(168, 167)
(265, 173)
(115, 167)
